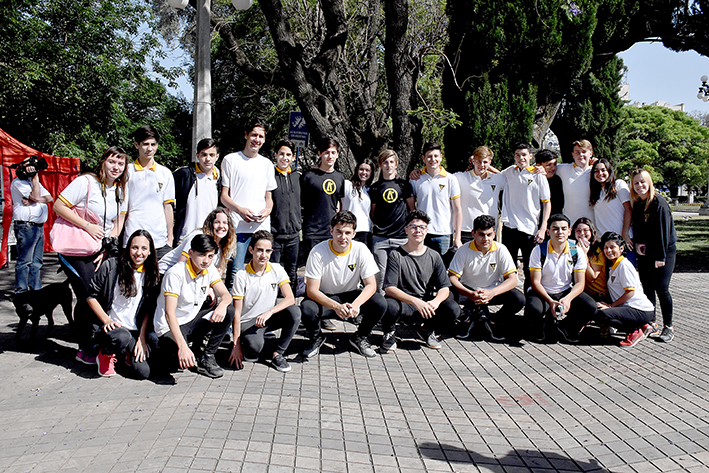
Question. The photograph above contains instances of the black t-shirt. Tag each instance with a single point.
(390, 197)
(556, 192)
(320, 192)
(416, 275)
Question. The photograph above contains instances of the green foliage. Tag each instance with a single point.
(671, 144)
(76, 78)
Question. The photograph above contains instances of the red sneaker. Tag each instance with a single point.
(106, 364)
(634, 338)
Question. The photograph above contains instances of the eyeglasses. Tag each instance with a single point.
(420, 228)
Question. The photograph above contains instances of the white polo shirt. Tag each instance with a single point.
(479, 196)
(149, 190)
(433, 196)
(621, 277)
(608, 216)
(182, 249)
(258, 293)
(340, 272)
(577, 193)
(202, 199)
(558, 271)
(482, 271)
(124, 309)
(359, 205)
(189, 288)
(248, 181)
(75, 195)
(36, 212)
(522, 200)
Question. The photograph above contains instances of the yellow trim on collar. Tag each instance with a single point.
(286, 172)
(199, 170)
(138, 167)
(250, 268)
(617, 262)
(191, 270)
(140, 269)
(441, 171)
(339, 254)
(493, 246)
(550, 248)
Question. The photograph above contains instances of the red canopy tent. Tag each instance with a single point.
(55, 178)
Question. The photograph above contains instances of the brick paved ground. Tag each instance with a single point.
(472, 406)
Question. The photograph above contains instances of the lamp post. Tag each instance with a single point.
(704, 95)
(202, 104)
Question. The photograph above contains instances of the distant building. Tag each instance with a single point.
(624, 94)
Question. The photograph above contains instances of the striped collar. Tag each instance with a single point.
(138, 167)
(199, 170)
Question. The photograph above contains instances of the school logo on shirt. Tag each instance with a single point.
(493, 187)
(390, 196)
(274, 286)
(493, 266)
(529, 181)
(329, 186)
(203, 289)
(441, 187)
(612, 278)
(160, 186)
(352, 267)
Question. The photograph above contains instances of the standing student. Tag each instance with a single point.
(484, 274)
(417, 287)
(257, 310)
(479, 191)
(630, 310)
(29, 212)
(105, 190)
(558, 272)
(576, 177)
(340, 282)
(185, 314)
(610, 199)
(197, 189)
(438, 195)
(247, 182)
(286, 217)
(152, 193)
(548, 160)
(392, 198)
(358, 202)
(122, 295)
(525, 207)
(322, 190)
(655, 245)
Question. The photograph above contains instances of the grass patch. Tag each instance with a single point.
(692, 244)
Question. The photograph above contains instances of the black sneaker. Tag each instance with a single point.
(280, 363)
(207, 365)
(328, 324)
(362, 346)
(388, 342)
(668, 334)
(314, 347)
(493, 330)
(538, 333)
(466, 328)
(566, 335)
(429, 338)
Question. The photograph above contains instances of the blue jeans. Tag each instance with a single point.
(381, 247)
(243, 240)
(30, 250)
(439, 243)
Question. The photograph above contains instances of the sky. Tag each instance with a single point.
(654, 73)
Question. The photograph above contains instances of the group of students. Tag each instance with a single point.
(376, 252)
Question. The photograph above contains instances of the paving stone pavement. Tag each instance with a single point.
(472, 406)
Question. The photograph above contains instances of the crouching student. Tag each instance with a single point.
(255, 309)
(630, 310)
(184, 313)
(558, 272)
(333, 273)
(123, 294)
(484, 273)
(416, 286)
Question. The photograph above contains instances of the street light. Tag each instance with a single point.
(703, 89)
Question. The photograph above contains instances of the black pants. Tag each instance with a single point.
(364, 237)
(515, 241)
(252, 339)
(80, 270)
(626, 319)
(657, 281)
(511, 301)
(443, 319)
(285, 252)
(121, 342)
(372, 311)
(581, 312)
(195, 331)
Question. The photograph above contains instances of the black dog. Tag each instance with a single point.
(32, 305)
